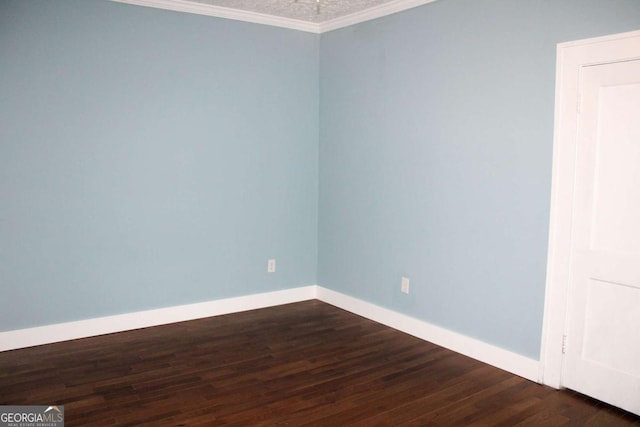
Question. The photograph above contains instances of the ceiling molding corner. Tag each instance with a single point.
(193, 7)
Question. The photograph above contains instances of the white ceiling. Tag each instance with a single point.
(304, 15)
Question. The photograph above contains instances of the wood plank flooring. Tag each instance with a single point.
(294, 365)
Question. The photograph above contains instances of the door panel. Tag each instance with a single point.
(603, 338)
(606, 329)
(617, 199)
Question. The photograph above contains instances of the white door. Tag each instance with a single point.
(602, 348)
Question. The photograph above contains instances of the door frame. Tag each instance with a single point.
(572, 57)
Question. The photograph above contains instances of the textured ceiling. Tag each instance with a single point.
(304, 15)
(304, 10)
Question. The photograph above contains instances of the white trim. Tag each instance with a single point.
(571, 58)
(21, 338)
(495, 356)
(226, 12)
(487, 353)
(371, 13)
(294, 24)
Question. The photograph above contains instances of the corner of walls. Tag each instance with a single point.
(318, 136)
(486, 353)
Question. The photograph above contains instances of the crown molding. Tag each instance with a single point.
(294, 24)
(371, 13)
(226, 12)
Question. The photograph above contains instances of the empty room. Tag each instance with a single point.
(320, 212)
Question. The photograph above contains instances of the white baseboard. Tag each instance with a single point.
(487, 353)
(30, 337)
(479, 350)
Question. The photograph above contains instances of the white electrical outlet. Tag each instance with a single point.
(271, 266)
(404, 285)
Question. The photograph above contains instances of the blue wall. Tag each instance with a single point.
(150, 158)
(435, 158)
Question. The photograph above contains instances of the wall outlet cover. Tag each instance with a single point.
(404, 285)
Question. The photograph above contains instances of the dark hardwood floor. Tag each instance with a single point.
(299, 364)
